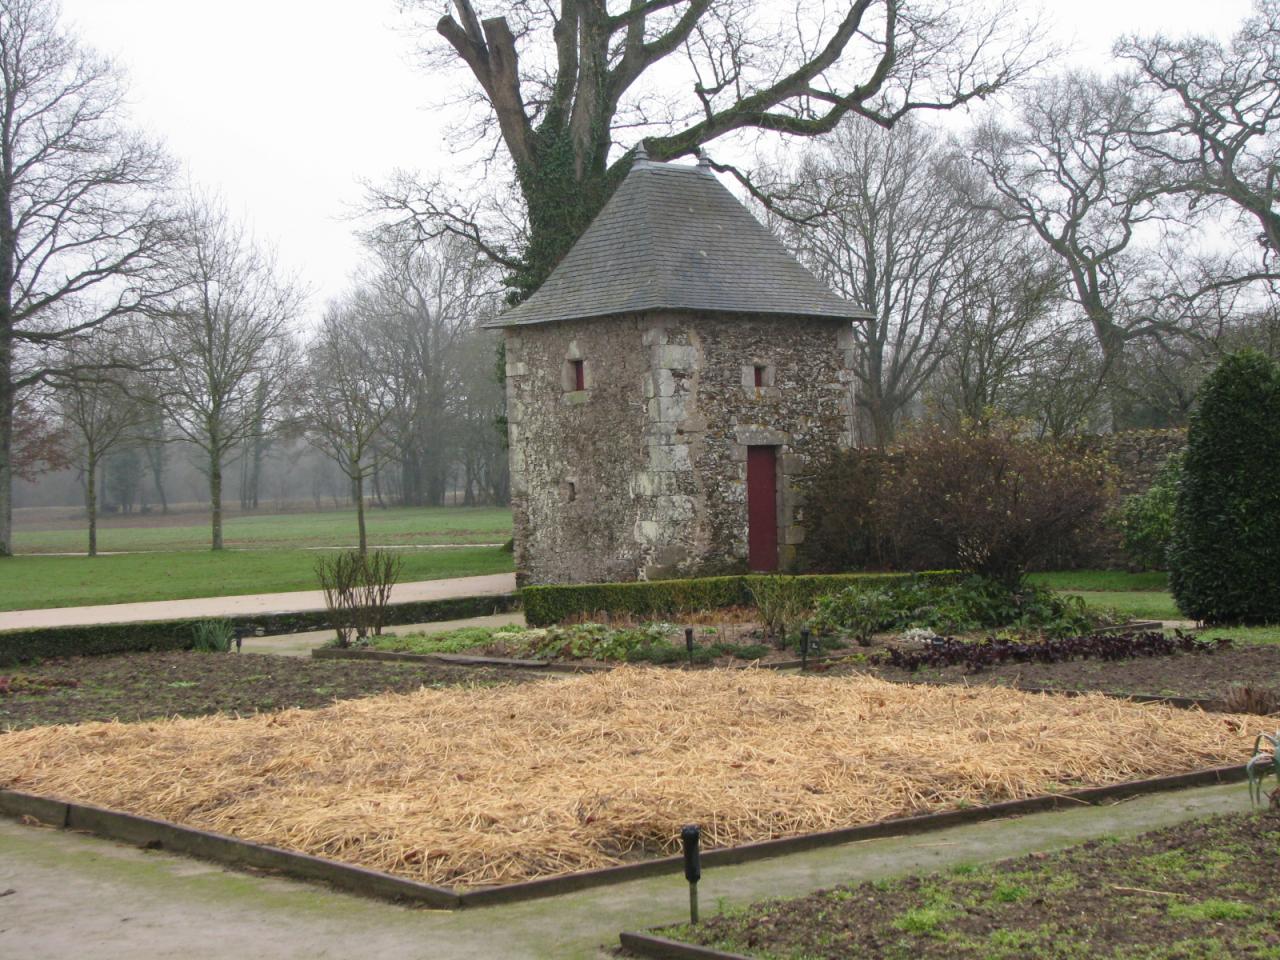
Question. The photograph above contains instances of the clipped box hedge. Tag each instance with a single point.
(649, 599)
(98, 639)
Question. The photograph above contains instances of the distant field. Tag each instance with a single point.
(28, 582)
(65, 532)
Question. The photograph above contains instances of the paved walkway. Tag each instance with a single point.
(261, 603)
(80, 898)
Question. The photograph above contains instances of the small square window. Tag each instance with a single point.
(579, 374)
(759, 372)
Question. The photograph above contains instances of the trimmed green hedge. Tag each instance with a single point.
(85, 641)
(645, 599)
(1225, 548)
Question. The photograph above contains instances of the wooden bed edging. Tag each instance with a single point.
(647, 945)
(465, 660)
(220, 848)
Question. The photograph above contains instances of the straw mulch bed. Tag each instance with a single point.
(481, 786)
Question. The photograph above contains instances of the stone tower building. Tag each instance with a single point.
(666, 385)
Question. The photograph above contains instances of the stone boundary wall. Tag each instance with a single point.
(1137, 457)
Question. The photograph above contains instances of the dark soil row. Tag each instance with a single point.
(143, 686)
(1206, 888)
(1199, 675)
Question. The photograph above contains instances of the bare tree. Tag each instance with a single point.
(419, 308)
(101, 408)
(346, 401)
(1001, 329)
(871, 213)
(1065, 171)
(226, 337)
(1215, 129)
(80, 225)
(561, 84)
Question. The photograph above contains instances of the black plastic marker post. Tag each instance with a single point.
(692, 867)
(688, 643)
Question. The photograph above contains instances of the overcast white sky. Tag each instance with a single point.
(283, 106)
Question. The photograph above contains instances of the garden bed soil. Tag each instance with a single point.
(610, 766)
(1196, 675)
(144, 686)
(1206, 888)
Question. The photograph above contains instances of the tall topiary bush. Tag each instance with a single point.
(1224, 560)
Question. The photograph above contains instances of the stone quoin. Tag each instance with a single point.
(667, 385)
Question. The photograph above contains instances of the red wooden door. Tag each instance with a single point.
(762, 509)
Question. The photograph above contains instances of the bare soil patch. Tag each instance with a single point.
(144, 686)
(1198, 675)
(1206, 888)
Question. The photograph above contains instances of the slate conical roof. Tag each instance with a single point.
(673, 238)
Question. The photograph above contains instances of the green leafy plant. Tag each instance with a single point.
(1226, 540)
(669, 599)
(861, 612)
(1145, 520)
(1264, 761)
(781, 602)
(975, 603)
(213, 636)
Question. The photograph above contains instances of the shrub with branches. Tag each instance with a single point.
(991, 501)
(357, 591)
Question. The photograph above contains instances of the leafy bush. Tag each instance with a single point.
(844, 528)
(651, 599)
(781, 602)
(1145, 520)
(977, 655)
(1226, 542)
(995, 504)
(861, 611)
(975, 603)
(213, 636)
(357, 591)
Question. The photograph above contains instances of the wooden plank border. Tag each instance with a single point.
(647, 945)
(220, 848)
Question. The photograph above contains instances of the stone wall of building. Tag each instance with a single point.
(642, 474)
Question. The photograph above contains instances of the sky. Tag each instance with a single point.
(284, 107)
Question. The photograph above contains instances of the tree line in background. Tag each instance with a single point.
(1078, 256)
(137, 320)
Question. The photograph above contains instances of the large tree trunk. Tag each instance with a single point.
(357, 485)
(155, 458)
(6, 446)
(215, 497)
(91, 502)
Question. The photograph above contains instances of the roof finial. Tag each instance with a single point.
(704, 161)
(641, 154)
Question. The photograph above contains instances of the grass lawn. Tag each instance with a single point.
(28, 582)
(1102, 581)
(329, 528)
(1138, 596)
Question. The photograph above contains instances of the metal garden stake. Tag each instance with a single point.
(692, 867)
